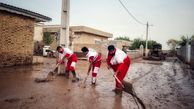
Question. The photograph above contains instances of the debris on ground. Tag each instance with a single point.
(12, 100)
(39, 80)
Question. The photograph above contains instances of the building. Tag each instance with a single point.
(38, 32)
(79, 36)
(16, 33)
(86, 36)
(54, 31)
(38, 43)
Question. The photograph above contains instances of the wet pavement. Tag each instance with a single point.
(160, 85)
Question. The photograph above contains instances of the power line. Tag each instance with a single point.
(130, 13)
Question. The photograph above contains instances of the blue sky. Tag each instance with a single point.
(171, 18)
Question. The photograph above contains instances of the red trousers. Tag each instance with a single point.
(72, 60)
(122, 71)
(96, 66)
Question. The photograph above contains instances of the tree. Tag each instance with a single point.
(47, 38)
(183, 41)
(137, 42)
(151, 43)
(122, 38)
(172, 43)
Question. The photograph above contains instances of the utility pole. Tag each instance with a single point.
(64, 30)
(146, 47)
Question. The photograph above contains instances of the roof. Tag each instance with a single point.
(91, 31)
(12, 9)
(79, 29)
(52, 28)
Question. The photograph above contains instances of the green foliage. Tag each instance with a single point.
(172, 43)
(137, 42)
(123, 38)
(183, 41)
(151, 43)
(47, 38)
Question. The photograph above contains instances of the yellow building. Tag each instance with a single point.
(79, 36)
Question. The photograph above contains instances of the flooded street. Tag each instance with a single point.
(160, 85)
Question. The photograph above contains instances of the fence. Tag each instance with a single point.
(192, 54)
(186, 53)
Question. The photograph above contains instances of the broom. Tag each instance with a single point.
(48, 77)
(83, 84)
(128, 88)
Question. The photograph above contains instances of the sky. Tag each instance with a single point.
(170, 18)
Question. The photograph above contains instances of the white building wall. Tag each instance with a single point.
(38, 32)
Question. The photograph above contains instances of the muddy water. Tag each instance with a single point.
(163, 85)
(160, 85)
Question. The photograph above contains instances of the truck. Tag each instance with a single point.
(156, 53)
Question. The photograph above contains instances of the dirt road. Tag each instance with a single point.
(160, 85)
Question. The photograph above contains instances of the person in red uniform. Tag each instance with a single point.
(71, 61)
(94, 59)
(119, 62)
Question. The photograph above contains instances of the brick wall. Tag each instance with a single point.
(16, 43)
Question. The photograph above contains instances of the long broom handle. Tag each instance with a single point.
(118, 81)
(52, 71)
(85, 79)
(57, 65)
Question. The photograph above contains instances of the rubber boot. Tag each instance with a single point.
(93, 81)
(75, 79)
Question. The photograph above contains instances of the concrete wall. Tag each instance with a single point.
(16, 43)
(101, 48)
(181, 52)
(98, 47)
(192, 54)
(184, 53)
(135, 54)
(38, 32)
(119, 43)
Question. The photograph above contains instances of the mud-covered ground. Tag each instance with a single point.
(160, 85)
